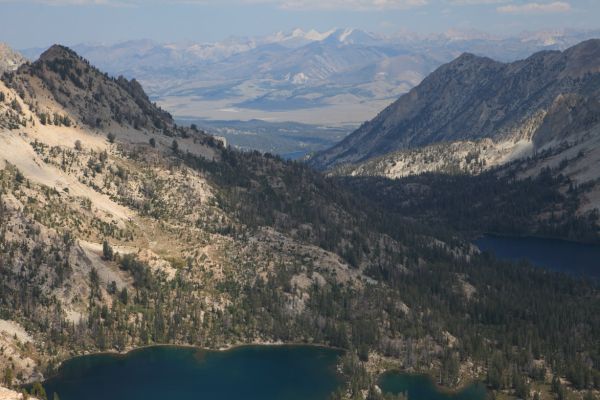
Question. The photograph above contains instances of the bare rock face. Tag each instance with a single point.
(10, 59)
(473, 98)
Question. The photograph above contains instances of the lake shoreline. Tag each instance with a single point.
(377, 375)
(481, 235)
(438, 387)
(574, 259)
(151, 372)
(231, 347)
(132, 349)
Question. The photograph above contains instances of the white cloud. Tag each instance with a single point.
(350, 4)
(118, 3)
(65, 2)
(284, 4)
(535, 8)
(356, 5)
(476, 2)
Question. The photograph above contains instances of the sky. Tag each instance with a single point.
(40, 23)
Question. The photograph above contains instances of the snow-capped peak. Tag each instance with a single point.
(352, 36)
(299, 34)
(346, 34)
(318, 36)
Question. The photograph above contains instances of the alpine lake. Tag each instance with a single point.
(243, 373)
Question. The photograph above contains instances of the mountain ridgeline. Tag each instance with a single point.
(85, 93)
(338, 77)
(544, 99)
(120, 229)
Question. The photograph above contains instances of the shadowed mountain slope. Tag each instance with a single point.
(473, 98)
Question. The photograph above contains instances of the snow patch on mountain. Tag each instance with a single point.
(300, 79)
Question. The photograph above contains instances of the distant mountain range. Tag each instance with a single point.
(342, 76)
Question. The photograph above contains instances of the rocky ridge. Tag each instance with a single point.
(10, 59)
(474, 98)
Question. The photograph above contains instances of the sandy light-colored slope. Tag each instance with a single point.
(16, 150)
(581, 158)
(7, 394)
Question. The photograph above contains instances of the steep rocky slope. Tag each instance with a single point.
(133, 231)
(473, 98)
(62, 82)
(10, 59)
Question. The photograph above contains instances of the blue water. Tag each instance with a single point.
(557, 255)
(160, 373)
(421, 387)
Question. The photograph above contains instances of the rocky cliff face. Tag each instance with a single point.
(472, 98)
(10, 59)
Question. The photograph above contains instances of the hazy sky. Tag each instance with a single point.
(33, 23)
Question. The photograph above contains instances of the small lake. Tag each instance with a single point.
(421, 387)
(558, 255)
(158, 373)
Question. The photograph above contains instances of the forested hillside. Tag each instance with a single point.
(505, 200)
